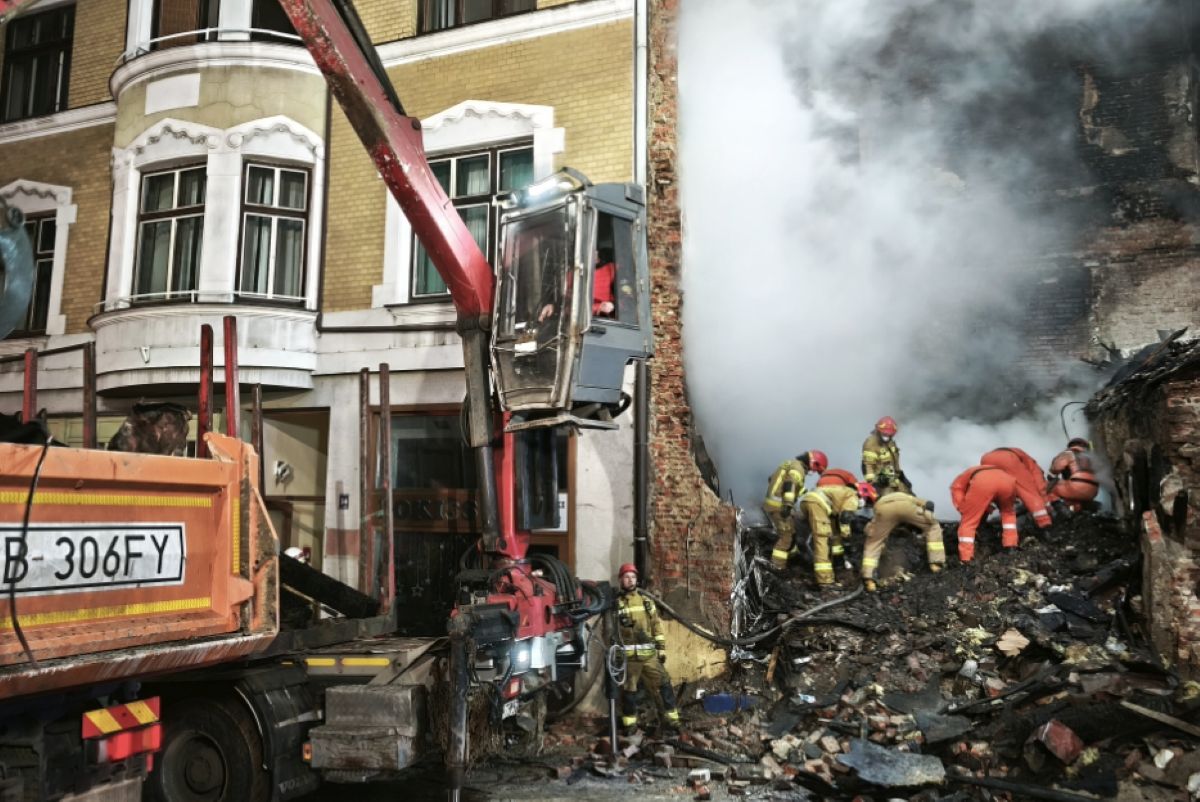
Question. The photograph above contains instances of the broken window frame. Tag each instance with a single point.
(425, 282)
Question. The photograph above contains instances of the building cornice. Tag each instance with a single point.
(60, 123)
(208, 55)
(545, 22)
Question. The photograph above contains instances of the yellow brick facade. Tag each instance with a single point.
(586, 75)
(87, 173)
(99, 42)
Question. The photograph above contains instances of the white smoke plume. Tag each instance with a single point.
(863, 224)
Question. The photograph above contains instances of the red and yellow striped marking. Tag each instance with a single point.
(106, 721)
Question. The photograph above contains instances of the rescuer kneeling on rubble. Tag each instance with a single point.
(1073, 478)
(821, 508)
(891, 511)
(784, 487)
(640, 632)
(881, 459)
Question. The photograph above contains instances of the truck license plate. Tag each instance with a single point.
(72, 558)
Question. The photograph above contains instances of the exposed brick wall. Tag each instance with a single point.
(87, 173)
(681, 504)
(586, 75)
(388, 20)
(1153, 444)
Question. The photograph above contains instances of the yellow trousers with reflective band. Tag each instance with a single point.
(785, 527)
(896, 509)
(650, 673)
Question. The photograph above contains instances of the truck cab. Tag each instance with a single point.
(572, 300)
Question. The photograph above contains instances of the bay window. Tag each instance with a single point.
(170, 234)
(274, 224)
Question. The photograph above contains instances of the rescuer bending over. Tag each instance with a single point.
(784, 489)
(640, 633)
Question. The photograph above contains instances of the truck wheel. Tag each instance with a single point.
(211, 752)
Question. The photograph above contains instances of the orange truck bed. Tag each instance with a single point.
(132, 564)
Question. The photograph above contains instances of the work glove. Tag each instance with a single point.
(662, 657)
(846, 517)
(929, 506)
(787, 510)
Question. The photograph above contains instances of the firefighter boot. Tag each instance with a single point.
(670, 720)
(935, 568)
(869, 585)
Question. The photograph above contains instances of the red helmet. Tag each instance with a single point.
(817, 461)
(867, 492)
(887, 426)
(627, 568)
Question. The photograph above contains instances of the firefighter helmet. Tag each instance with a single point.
(867, 492)
(1079, 443)
(816, 461)
(627, 568)
(886, 426)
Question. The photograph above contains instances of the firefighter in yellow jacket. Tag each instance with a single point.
(881, 459)
(890, 511)
(824, 509)
(641, 636)
(784, 489)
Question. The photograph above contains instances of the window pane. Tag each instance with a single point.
(427, 280)
(292, 189)
(189, 234)
(17, 103)
(441, 171)
(428, 453)
(289, 251)
(176, 16)
(268, 15)
(516, 169)
(158, 192)
(476, 10)
(256, 251)
(45, 239)
(437, 14)
(153, 255)
(40, 306)
(260, 186)
(473, 178)
(516, 6)
(476, 218)
(191, 187)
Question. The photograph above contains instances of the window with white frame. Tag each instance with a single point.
(274, 222)
(472, 180)
(42, 231)
(170, 234)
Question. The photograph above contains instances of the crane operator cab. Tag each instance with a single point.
(573, 306)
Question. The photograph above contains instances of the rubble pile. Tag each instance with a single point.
(1020, 675)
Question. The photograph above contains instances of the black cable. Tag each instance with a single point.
(1062, 416)
(799, 619)
(23, 550)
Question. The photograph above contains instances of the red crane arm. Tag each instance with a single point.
(395, 144)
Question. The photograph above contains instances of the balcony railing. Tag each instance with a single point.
(184, 297)
(205, 35)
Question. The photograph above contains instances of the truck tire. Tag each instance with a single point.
(212, 752)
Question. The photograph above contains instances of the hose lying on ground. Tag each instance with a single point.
(804, 618)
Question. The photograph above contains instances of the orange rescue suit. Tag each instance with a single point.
(973, 493)
(1031, 480)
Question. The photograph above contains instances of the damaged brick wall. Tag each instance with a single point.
(1151, 437)
(1138, 133)
(691, 529)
